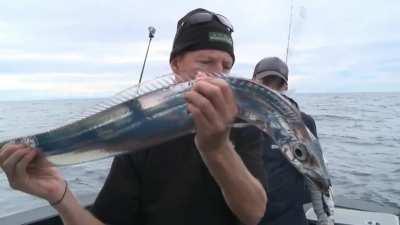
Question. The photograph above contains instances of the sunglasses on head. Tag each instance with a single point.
(205, 17)
(272, 79)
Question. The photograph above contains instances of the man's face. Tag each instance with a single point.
(188, 64)
(274, 82)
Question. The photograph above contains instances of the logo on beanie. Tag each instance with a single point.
(220, 37)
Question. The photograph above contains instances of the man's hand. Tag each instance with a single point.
(29, 172)
(213, 106)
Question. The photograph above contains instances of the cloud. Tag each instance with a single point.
(75, 83)
(110, 53)
(96, 40)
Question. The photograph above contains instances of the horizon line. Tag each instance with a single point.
(107, 97)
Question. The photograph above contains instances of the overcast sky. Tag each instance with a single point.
(94, 48)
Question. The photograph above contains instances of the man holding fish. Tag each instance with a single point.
(212, 177)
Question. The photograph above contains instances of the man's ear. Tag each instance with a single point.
(285, 87)
(174, 64)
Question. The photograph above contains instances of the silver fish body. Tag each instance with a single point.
(137, 123)
(160, 114)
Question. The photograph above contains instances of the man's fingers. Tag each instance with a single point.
(42, 161)
(229, 107)
(226, 91)
(10, 163)
(214, 94)
(201, 75)
(203, 104)
(198, 117)
(8, 150)
(21, 167)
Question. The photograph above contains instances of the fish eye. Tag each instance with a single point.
(300, 153)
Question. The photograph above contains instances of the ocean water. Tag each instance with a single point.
(360, 137)
(359, 133)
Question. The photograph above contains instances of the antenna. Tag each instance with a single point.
(289, 31)
(152, 32)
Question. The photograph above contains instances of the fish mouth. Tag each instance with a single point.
(315, 168)
(320, 179)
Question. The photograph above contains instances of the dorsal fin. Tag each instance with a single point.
(129, 93)
(160, 82)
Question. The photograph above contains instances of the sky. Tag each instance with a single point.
(52, 49)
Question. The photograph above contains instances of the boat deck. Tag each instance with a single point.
(352, 211)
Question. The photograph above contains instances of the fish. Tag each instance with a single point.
(156, 112)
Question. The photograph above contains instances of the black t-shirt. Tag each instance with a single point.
(170, 184)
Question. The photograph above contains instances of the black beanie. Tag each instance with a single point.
(206, 35)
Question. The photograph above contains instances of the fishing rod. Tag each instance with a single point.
(289, 31)
(152, 32)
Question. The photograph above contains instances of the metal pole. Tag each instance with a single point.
(152, 31)
(144, 63)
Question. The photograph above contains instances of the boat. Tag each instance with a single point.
(358, 212)
(348, 212)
